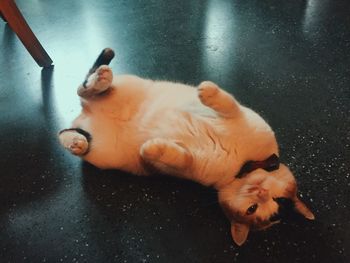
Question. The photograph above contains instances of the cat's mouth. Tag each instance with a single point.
(262, 225)
(285, 208)
(275, 218)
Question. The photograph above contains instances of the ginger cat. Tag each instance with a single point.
(203, 134)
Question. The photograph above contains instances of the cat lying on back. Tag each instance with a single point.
(202, 134)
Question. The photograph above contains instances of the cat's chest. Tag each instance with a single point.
(114, 109)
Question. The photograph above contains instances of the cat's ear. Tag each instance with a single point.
(239, 232)
(301, 208)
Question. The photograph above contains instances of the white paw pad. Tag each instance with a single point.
(75, 142)
(100, 80)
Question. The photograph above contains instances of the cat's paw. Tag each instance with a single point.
(79, 146)
(153, 150)
(207, 92)
(166, 153)
(74, 142)
(100, 80)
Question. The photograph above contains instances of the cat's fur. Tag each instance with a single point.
(202, 134)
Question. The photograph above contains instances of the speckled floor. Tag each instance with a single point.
(289, 60)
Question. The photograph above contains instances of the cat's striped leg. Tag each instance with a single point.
(219, 100)
(166, 155)
(97, 83)
(75, 140)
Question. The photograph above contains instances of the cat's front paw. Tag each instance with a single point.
(207, 91)
(166, 153)
(74, 142)
(100, 80)
(152, 150)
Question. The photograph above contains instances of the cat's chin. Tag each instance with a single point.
(257, 177)
(276, 182)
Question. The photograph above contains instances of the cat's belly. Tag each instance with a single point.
(121, 123)
(201, 134)
(116, 144)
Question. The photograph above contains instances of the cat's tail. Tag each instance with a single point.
(104, 58)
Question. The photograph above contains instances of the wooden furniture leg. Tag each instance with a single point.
(16, 21)
(2, 16)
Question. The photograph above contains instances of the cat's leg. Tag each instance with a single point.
(97, 83)
(166, 154)
(219, 100)
(75, 140)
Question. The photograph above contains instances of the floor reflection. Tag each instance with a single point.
(315, 13)
(219, 38)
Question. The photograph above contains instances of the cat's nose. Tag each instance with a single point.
(263, 194)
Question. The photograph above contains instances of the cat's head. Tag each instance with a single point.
(253, 202)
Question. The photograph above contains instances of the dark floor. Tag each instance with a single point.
(289, 60)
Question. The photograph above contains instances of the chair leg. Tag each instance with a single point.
(2, 16)
(16, 21)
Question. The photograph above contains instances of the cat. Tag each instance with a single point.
(202, 134)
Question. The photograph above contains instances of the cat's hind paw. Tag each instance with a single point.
(74, 142)
(101, 79)
(97, 82)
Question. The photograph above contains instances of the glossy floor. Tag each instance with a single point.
(289, 60)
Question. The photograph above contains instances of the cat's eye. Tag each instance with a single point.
(252, 209)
